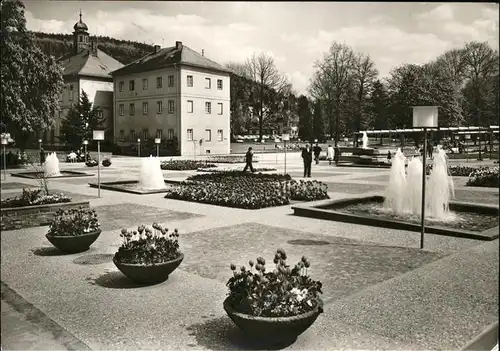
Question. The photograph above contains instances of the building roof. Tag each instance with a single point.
(179, 54)
(85, 64)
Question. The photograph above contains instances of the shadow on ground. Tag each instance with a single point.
(93, 259)
(222, 334)
(48, 251)
(117, 280)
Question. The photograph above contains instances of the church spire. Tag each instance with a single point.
(80, 15)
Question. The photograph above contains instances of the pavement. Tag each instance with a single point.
(380, 290)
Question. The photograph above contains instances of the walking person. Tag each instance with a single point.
(307, 158)
(42, 156)
(249, 160)
(317, 151)
(329, 154)
(336, 155)
(430, 149)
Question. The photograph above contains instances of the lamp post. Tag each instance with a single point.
(85, 143)
(139, 147)
(424, 117)
(285, 138)
(98, 135)
(5, 141)
(157, 142)
(40, 150)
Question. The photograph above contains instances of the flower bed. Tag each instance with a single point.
(91, 163)
(185, 165)
(33, 198)
(230, 159)
(228, 175)
(484, 176)
(457, 170)
(307, 190)
(212, 170)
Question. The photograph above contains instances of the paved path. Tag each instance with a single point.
(380, 290)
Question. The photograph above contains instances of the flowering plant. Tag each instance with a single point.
(282, 292)
(148, 246)
(484, 176)
(32, 198)
(106, 162)
(231, 159)
(185, 165)
(212, 170)
(308, 190)
(74, 222)
(91, 163)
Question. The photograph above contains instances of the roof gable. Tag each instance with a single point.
(83, 63)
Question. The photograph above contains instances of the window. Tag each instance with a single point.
(144, 84)
(145, 134)
(132, 109)
(132, 134)
(219, 84)
(170, 106)
(208, 133)
(121, 108)
(121, 85)
(189, 81)
(145, 108)
(208, 107)
(220, 135)
(170, 135)
(208, 83)
(190, 106)
(122, 134)
(71, 92)
(219, 105)
(189, 134)
(131, 85)
(171, 81)
(159, 133)
(159, 82)
(159, 107)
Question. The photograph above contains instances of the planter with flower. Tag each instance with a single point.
(277, 305)
(74, 230)
(91, 163)
(106, 162)
(148, 255)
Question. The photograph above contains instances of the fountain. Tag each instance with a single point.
(151, 176)
(51, 166)
(365, 140)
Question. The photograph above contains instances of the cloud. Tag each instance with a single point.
(442, 12)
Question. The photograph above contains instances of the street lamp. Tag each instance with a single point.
(40, 150)
(139, 147)
(285, 138)
(5, 141)
(98, 135)
(85, 143)
(424, 117)
(157, 142)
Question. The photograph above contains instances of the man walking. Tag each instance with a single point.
(317, 152)
(307, 158)
(336, 155)
(42, 156)
(329, 154)
(249, 160)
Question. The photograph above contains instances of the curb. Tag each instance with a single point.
(487, 340)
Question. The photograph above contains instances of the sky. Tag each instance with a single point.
(295, 34)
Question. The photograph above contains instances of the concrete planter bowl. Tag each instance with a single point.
(74, 243)
(149, 274)
(273, 330)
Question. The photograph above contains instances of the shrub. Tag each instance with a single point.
(185, 165)
(484, 176)
(74, 222)
(282, 292)
(33, 198)
(148, 246)
(91, 163)
(106, 162)
(230, 159)
(307, 190)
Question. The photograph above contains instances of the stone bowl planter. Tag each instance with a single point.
(74, 243)
(273, 329)
(149, 274)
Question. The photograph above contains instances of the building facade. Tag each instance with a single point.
(175, 94)
(85, 68)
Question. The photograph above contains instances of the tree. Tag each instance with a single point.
(31, 80)
(262, 70)
(305, 118)
(378, 106)
(81, 119)
(318, 127)
(364, 76)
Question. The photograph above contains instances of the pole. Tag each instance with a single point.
(98, 168)
(491, 143)
(85, 156)
(285, 154)
(424, 177)
(480, 156)
(157, 150)
(139, 149)
(4, 164)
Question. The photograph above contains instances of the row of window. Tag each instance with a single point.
(170, 135)
(171, 107)
(171, 83)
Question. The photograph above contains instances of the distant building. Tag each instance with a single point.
(175, 94)
(86, 68)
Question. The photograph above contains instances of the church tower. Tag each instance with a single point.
(81, 38)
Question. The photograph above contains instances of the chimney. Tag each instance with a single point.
(178, 45)
(202, 52)
(157, 48)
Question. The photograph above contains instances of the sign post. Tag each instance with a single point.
(424, 117)
(98, 135)
(285, 138)
(157, 142)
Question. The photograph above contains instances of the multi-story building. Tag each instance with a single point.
(175, 94)
(85, 68)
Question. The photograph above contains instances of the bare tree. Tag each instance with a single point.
(365, 74)
(262, 70)
(238, 68)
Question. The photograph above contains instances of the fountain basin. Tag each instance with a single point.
(134, 187)
(480, 221)
(40, 175)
